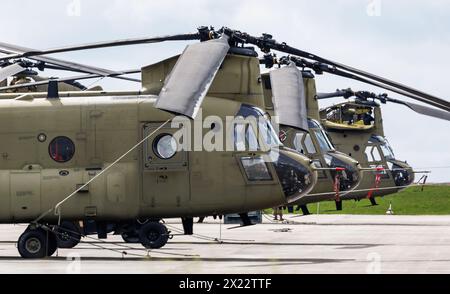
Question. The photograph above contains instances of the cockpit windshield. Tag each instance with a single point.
(321, 136)
(265, 128)
(325, 144)
(386, 148)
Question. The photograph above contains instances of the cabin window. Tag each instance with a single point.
(165, 146)
(256, 169)
(61, 149)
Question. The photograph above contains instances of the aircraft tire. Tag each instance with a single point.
(131, 237)
(68, 236)
(153, 235)
(37, 243)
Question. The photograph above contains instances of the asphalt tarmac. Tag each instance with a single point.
(302, 245)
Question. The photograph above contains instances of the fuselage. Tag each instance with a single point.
(51, 147)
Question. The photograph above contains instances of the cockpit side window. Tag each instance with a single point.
(325, 144)
(239, 137)
(254, 135)
(245, 138)
(298, 142)
(304, 143)
(373, 154)
(376, 154)
(321, 137)
(386, 149)
(309, 144)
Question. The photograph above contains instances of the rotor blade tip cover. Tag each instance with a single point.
(10, 70)
(188, 84)
(289, 99)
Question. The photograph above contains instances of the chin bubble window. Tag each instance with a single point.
(61, 149)
(165, 146)
(256, 169)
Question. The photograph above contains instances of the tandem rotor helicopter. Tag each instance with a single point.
(356, 128)
(363, 139)
(93, 160)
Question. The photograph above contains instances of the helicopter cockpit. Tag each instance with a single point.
(294, 178)
(379, 150)
(350, 116)
(264, 127)
(385, 147)
(308, 142)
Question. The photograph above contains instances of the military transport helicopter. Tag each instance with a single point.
(356, 128)
(350, 179)
(389, 175)
(155, 181)
(300, 129)
(73, 143)
(245, 67)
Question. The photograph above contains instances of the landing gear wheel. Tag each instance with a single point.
(37, 243)
(131, 237)
(153, 235)
(68, 235)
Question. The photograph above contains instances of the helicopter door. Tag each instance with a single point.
(165, 169)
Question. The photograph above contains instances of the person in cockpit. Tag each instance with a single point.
(368, 118)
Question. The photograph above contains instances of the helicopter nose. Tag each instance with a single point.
(296, 174)
(402, 173)
(351, 175)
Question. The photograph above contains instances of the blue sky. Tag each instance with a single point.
(407, 41)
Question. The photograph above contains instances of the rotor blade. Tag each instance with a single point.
(394, 84)
(108, 44)
(426, 98)
(266, 43)
(62, 80)
(10, 70)
(193, 74)
(344, 74)
(423, 109)
(67, 65)
(338, 93)
(289, 98)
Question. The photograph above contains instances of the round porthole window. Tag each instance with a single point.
(165, 146)
(61, 149)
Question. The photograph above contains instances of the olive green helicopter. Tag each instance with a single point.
(356, 128)
(300, 129)
(330, 164)
(113, 158)
(70, 158)
(350, 128)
